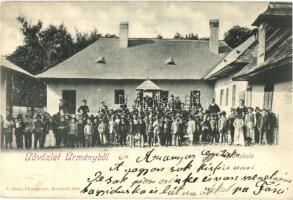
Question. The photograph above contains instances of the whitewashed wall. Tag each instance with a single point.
(3, 94)
(88, 90)
(226, 82)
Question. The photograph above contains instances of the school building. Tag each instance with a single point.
(111, 70)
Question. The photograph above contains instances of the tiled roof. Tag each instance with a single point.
(282, 10)
(232, 57)
(144, 58)
(278, 52)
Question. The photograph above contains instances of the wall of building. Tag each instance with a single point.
(3, 94)
(223, 84)
(95, 91)
(281, 105)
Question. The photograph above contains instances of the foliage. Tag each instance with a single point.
(43, 48)
(237, 35)
(159, 36)
(190, 36)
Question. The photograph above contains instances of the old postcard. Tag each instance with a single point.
(144, 99)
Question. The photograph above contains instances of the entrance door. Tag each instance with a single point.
(69, 98)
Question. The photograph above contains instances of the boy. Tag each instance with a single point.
(19, 129)
(141, 129)
(223, 126)
(39, 131)
(156, 129)
(72, 133)
(88, 132)
(80, 133)
(28, 130)
(214, 125)
(174, 131)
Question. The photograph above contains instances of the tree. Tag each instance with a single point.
(191, 36)
(44, 48)
(159, 36)
(237, 35)
(108, 35)
(178, 36)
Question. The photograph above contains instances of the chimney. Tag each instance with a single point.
(123, 35)
(214, 36)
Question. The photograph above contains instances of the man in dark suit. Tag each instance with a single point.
(263, 126)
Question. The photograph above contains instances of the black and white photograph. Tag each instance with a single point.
(143, 76)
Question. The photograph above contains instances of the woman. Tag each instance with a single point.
(238, 134)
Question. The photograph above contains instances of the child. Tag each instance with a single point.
(50, 140)
(231, 127)
(190, 129)
(88, 132)
(206, 129)
(80, 132)
(131, 132)
(19, 129)
(167, 131)
(249, 123)
(174, 132)
(101, 130)
(28, 130)
(150, 132)
(238, 134)
(156, 129)
(72, 133)
(112, 131)
(123, 131)
(8, 131)
(197, 132)
(39, 131)
(141, 129)
(223, 126)
(214, 125)
(96, 136)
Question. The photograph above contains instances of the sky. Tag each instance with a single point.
(146, 19)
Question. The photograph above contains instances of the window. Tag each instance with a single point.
(268, 96)
(119, 97)
(248, 96)
(170, 61)
(233, 95)
(221, 97)
(227, 96)
(101, 60)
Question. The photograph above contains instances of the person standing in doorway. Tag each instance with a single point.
(83, 109)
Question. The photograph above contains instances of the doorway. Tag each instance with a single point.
(69, 98)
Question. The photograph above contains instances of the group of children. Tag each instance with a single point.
(141, 127)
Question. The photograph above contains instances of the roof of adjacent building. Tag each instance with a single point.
(9, 65)
(278, 51)
(238, 54)
(280, 10)
(144, 58)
